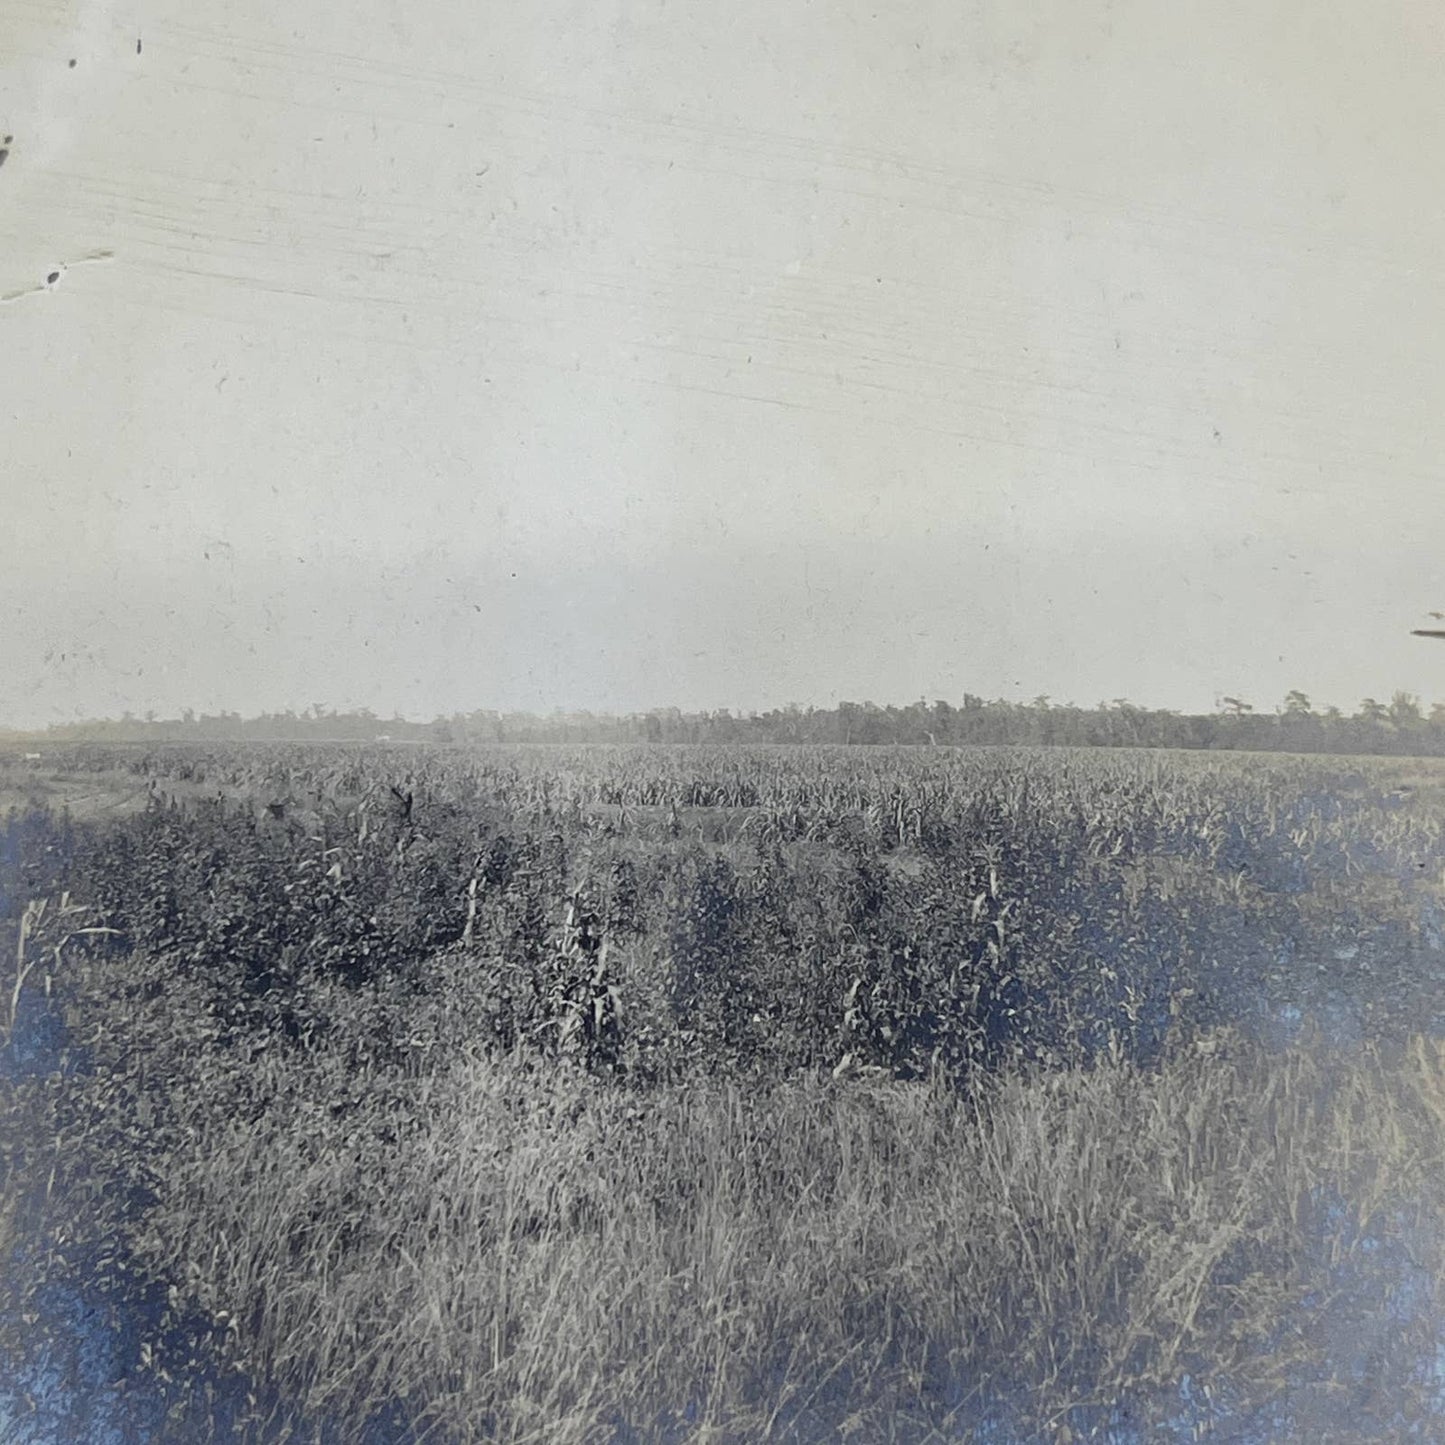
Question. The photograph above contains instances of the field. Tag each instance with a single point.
(721, 1093)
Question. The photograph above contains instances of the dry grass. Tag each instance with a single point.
(521, 1258)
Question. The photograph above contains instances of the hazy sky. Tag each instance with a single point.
(452, 355)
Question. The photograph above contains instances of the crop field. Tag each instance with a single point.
(574, 1094)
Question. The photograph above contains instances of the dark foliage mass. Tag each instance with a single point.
(763, 911)
(1400, 728)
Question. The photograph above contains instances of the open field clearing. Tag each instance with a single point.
(31, 782)
(673, 1094)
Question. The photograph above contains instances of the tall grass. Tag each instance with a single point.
(506, 1256)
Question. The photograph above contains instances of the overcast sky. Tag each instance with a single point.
(453, 355)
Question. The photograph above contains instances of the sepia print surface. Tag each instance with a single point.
(721, 722)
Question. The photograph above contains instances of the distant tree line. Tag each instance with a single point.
(1401, 726)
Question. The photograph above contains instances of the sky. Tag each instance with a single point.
(605, 355)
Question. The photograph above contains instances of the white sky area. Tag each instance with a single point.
(451, 355)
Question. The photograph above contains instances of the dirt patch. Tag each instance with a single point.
(27, 783)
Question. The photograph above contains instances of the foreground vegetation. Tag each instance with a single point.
(628, 1094)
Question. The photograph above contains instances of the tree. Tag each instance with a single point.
(1296, 704)
(1405, 710)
